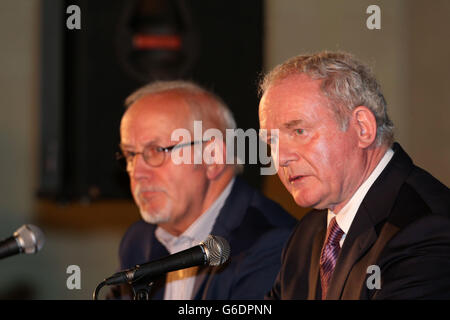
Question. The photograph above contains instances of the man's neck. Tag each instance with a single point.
(371, 158)
(214, 190)
(216, 187)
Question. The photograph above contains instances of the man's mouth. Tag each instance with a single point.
(147, 193)
(293, 179)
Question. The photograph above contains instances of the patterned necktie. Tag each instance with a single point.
(329, 254)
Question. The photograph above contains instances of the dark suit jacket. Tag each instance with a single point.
(256, 229)
(402, 226)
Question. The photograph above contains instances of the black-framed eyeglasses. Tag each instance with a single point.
(153, 155)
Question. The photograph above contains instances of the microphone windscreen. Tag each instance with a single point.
(30, 238)
(218, 250)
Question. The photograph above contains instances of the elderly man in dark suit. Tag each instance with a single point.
(381, 225)
(181, 203)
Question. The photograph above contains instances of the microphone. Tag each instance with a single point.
(27, 239)
(213, 251)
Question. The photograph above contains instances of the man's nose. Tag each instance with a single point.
(138, 168)
(286, 153)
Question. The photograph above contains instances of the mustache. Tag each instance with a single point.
(140, 189)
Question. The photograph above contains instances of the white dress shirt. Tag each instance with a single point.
(344, 218)
(179, 284)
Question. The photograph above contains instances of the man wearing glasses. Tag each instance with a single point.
(181, 204)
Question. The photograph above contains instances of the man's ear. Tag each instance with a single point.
(365, 125)
(214, 156)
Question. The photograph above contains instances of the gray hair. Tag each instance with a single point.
(204, 105)
(347, 83)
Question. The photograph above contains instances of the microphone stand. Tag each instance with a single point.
(141, 289)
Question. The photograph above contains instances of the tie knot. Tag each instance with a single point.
(335, 233)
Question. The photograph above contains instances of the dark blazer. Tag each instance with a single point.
(402, 226)
(256, 229)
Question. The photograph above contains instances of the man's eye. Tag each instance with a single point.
(299, 131)
(129, 154)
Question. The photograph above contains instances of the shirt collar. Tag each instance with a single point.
(197, 231)
(345, 217)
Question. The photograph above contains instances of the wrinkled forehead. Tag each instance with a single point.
(295, 97)
(154, 118)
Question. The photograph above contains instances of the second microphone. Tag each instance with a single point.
(213, 251)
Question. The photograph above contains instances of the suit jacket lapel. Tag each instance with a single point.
(237, 203)
(156, 251)
(315, 257)
(360, 238)
(373, 210)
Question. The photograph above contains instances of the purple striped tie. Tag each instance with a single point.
(329, 254)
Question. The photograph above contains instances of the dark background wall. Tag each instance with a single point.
(87, 74)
